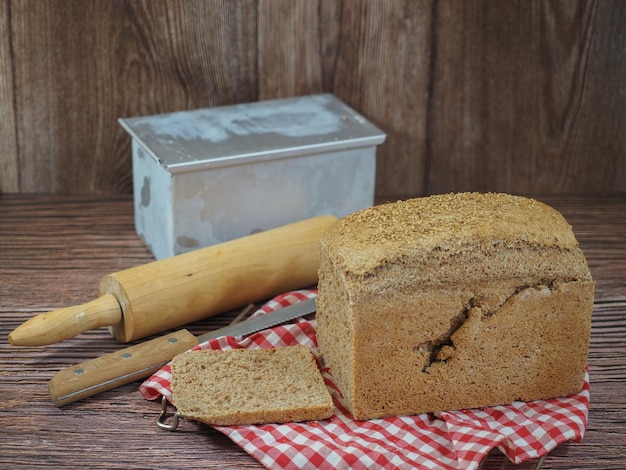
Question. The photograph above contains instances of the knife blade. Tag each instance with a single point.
(142, 360)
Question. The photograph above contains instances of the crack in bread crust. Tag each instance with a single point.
(453, 301)
(443, 348)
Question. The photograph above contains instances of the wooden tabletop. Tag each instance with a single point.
(55, 249)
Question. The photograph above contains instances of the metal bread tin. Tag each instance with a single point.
(210, 175)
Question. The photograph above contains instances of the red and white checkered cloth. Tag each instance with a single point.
(448, 440)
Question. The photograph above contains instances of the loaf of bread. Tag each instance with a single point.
(453, 301)
(245, 386)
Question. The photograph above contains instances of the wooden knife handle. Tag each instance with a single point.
(65, 323)
(118, 368)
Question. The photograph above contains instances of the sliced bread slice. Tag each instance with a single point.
(245, 386)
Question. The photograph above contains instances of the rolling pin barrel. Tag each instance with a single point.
(196, 285)
(172, 292)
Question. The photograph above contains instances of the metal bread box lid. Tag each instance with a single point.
(252, 132)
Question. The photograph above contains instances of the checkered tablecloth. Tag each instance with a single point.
(447, 440)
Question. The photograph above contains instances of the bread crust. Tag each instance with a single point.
(453, 301)
(244, 386)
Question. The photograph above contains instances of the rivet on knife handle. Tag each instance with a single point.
(114, 370)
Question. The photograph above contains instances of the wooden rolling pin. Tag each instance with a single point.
(165, 294)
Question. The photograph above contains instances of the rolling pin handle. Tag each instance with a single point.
(65, 323)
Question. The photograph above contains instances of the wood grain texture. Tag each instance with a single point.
(93, 63)
(521, 117)
(382, 70)
(524, 97)
(288, 51)
(9, 165)
(55, 249)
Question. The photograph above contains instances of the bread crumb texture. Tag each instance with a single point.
(453, 301)
(245, 386)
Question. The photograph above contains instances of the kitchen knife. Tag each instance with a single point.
(142, 360)
(166, 294)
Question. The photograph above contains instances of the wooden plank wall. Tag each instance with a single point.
(520, 96)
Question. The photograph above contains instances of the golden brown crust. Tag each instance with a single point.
(443, 226)
(453, 301)
(250, 386)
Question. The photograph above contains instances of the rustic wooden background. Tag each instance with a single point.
(519, 96)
